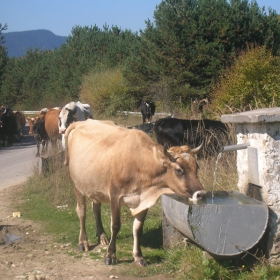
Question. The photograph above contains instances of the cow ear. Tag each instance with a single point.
(159, 157)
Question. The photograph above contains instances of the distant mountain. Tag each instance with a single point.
(17, 43)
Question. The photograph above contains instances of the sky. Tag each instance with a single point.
(60, 16)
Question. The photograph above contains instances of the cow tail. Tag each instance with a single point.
(66, 161)
(68, 130)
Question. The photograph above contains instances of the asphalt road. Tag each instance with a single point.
(17, 163)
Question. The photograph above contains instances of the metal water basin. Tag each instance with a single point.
(226, 224)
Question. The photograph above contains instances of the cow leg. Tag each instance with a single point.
(38, 141)
(115, 227)
(148, 116)
(43, 147)
(45, 144)
(2, 138)
(38, 147)
(81, 212)
(137, 233)
(102, 237)
(18, 136)
(10, 139)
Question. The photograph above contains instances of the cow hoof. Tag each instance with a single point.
(81, 247)
(140, 263)
(110, 261)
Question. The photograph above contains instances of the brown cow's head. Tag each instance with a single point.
(31, 122)
(181, 169)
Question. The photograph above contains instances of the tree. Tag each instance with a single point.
(192, 41)
(11, 88)
(50, 78)
(3, 54)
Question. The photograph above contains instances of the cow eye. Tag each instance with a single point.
(179, 171)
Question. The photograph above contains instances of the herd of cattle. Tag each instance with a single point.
(123, 167)
(51, 123)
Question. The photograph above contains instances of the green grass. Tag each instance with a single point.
(42, 195)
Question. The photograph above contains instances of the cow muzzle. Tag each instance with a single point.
(198, 195)
(62, 131)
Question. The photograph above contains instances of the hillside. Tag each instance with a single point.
(17, 43)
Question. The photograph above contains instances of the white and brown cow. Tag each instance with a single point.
(72, 112)
(123, 167)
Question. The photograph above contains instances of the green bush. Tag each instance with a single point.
(106, 92)
(252, 82)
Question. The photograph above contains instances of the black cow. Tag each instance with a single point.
(40, 134)
(146, 127)
(148, 109)
(8, 127)
(176, 132)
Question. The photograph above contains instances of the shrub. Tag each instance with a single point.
(106, 92)
(252, 82)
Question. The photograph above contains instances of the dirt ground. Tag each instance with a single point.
(26, 252)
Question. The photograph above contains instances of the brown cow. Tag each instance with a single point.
(112, 164)
(31, 121)
(51, 125)
(45, 128)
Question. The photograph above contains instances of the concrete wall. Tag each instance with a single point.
(258, 166)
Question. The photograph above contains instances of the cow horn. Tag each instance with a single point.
(168, 155)
(197, 149)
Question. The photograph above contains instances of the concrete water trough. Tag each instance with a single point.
(223, 223)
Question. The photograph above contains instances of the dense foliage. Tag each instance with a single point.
(106, 91)
(191, 42)
(252, 82)
(176, 59)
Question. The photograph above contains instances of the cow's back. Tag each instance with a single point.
(98, 152)
(51, 124)
(176, 132)
(170, 131)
